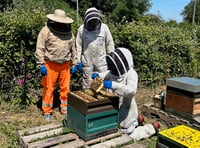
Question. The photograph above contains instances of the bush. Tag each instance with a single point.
(159, 51)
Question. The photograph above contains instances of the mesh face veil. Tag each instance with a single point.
(59, 27)
(118, 62)
(92, 19)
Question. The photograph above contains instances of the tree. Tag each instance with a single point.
(152, 19)
(5, 3)
(117, 10)
(130, 9)
(191, 12)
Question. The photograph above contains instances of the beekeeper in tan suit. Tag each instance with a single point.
(93, 42)
(55, 54)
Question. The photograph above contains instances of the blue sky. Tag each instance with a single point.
(169, 9)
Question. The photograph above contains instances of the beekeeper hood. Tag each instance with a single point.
(59, 22)
(92, 19)
(120, 61)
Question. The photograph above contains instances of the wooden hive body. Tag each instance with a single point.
(183, 96)
(92, 119)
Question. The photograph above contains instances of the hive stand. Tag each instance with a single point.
(51, 136)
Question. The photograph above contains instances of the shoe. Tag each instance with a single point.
(156, 125)
(140, 119)
(63, 112)
(128, 130)
(47, 117)
(64, 122)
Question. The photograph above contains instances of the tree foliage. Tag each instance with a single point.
(116, 9)
(5, 3)
(130, 9)
(159, 51)
(188, 12)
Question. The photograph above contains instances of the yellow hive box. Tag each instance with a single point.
(180, 137)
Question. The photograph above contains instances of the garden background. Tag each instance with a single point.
(160, 50)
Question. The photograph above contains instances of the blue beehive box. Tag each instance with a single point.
(92, 119)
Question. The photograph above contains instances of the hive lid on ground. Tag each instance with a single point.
(184, 83)
(184, 135)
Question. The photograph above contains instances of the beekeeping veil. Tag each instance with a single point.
(92, 19)
(59, 22)
(119, 61)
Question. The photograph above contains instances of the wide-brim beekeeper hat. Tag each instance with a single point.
(60, 17)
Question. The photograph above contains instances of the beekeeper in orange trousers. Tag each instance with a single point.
(55, 54)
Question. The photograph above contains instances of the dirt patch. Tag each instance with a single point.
(146, 95)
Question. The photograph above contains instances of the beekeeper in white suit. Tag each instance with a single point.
(122, 80)
(93, 42)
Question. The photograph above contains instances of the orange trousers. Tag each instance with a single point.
(55, 73)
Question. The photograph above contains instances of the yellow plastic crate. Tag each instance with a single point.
(179, 137)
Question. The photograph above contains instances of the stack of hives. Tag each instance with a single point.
(183, 96)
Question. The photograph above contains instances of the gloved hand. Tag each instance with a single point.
(94, 75)
(107, 84)
(80, 66)
(43, 70)
(74, 69)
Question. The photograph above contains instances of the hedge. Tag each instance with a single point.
(159, 51)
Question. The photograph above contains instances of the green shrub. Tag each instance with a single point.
(159, 51)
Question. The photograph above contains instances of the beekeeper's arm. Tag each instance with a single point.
(127, 89)
(74, 52)
(109, 40)
(74, 58)
(40, 50)
(79, 43)
(40, 46)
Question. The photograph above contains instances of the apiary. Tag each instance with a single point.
(179, 137)
(183, 96)
(92, 115)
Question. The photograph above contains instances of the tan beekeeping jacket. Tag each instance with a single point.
(55, 47)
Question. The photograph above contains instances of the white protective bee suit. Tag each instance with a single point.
(93, 42)
(124, 84)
